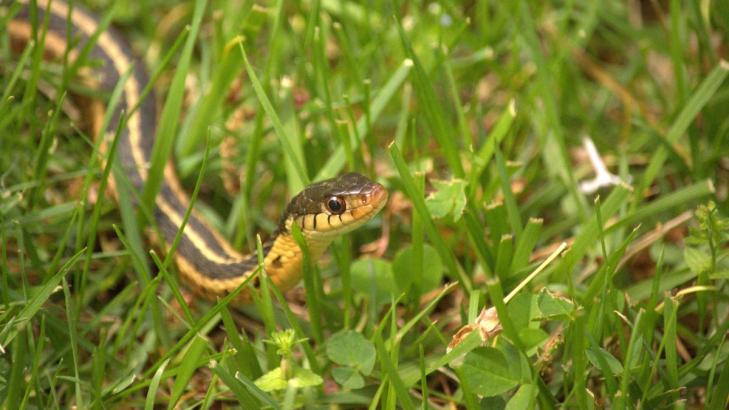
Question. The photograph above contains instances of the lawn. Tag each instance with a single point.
(557, 233)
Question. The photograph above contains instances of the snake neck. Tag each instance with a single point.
(284, 261)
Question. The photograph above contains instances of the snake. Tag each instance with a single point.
(207, 262)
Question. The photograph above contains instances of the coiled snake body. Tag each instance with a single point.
(205, 259)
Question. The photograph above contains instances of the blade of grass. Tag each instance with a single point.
(417, 235)
(589, 236)
(497, 222)
(389, 368)
(160, 69)
(313, 286)
(245, 399)
(264, 301)
(554, 146)
(14, 378)
(169, 119)
(669, 338)
(496, 295)
(39, 38)
(474, 230)
(245, 355)
(36, 301)
(419, 203)
(320, 64)
(96, 215)
(681, 199)
(290, 152)
(336, 161)
(174, 287)
(678, 32)
(199, 324)
(525, 244)
(49, 213)
(343, 258)
(720, 394)
(423, 382)
(98, 364)
(463, 128)
(504, 257)
(72, 326)
(256, 392)
(7, 99)
(633, 350)
(470, 342)
(483, 157)
(579, 361)
(188, 365)
(433, 110)
(225, 72)
(421, 314)
(512, 210)
(294, 324)
(690, 110)
(154, 385)
(36, 363)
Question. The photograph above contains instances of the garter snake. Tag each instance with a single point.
(207, 262)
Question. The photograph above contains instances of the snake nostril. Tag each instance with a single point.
(377, 194)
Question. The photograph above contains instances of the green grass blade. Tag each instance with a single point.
(434, 115)
(669, 338)
(292, 154)
(256, 392)
(168, 122)
(483, 157)
(390, 369)
(313, 285)
(633, 351)
(245, 356)
(154, 385)
(680, 199)
(525, 244)
(245, 399)
(419, 203)
(36, 301)
(590, 235)
(512, 210)
(336, 161)
(212, 101)
(720, 394)
(188, 365)
(690, 110)
(71, 323)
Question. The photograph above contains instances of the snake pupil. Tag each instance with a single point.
(335, 205)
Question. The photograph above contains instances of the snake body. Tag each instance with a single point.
(207, 262)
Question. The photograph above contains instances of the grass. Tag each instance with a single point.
(473, 117)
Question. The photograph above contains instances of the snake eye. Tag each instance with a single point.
(336, 205)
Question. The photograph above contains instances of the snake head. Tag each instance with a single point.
(334, 206)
